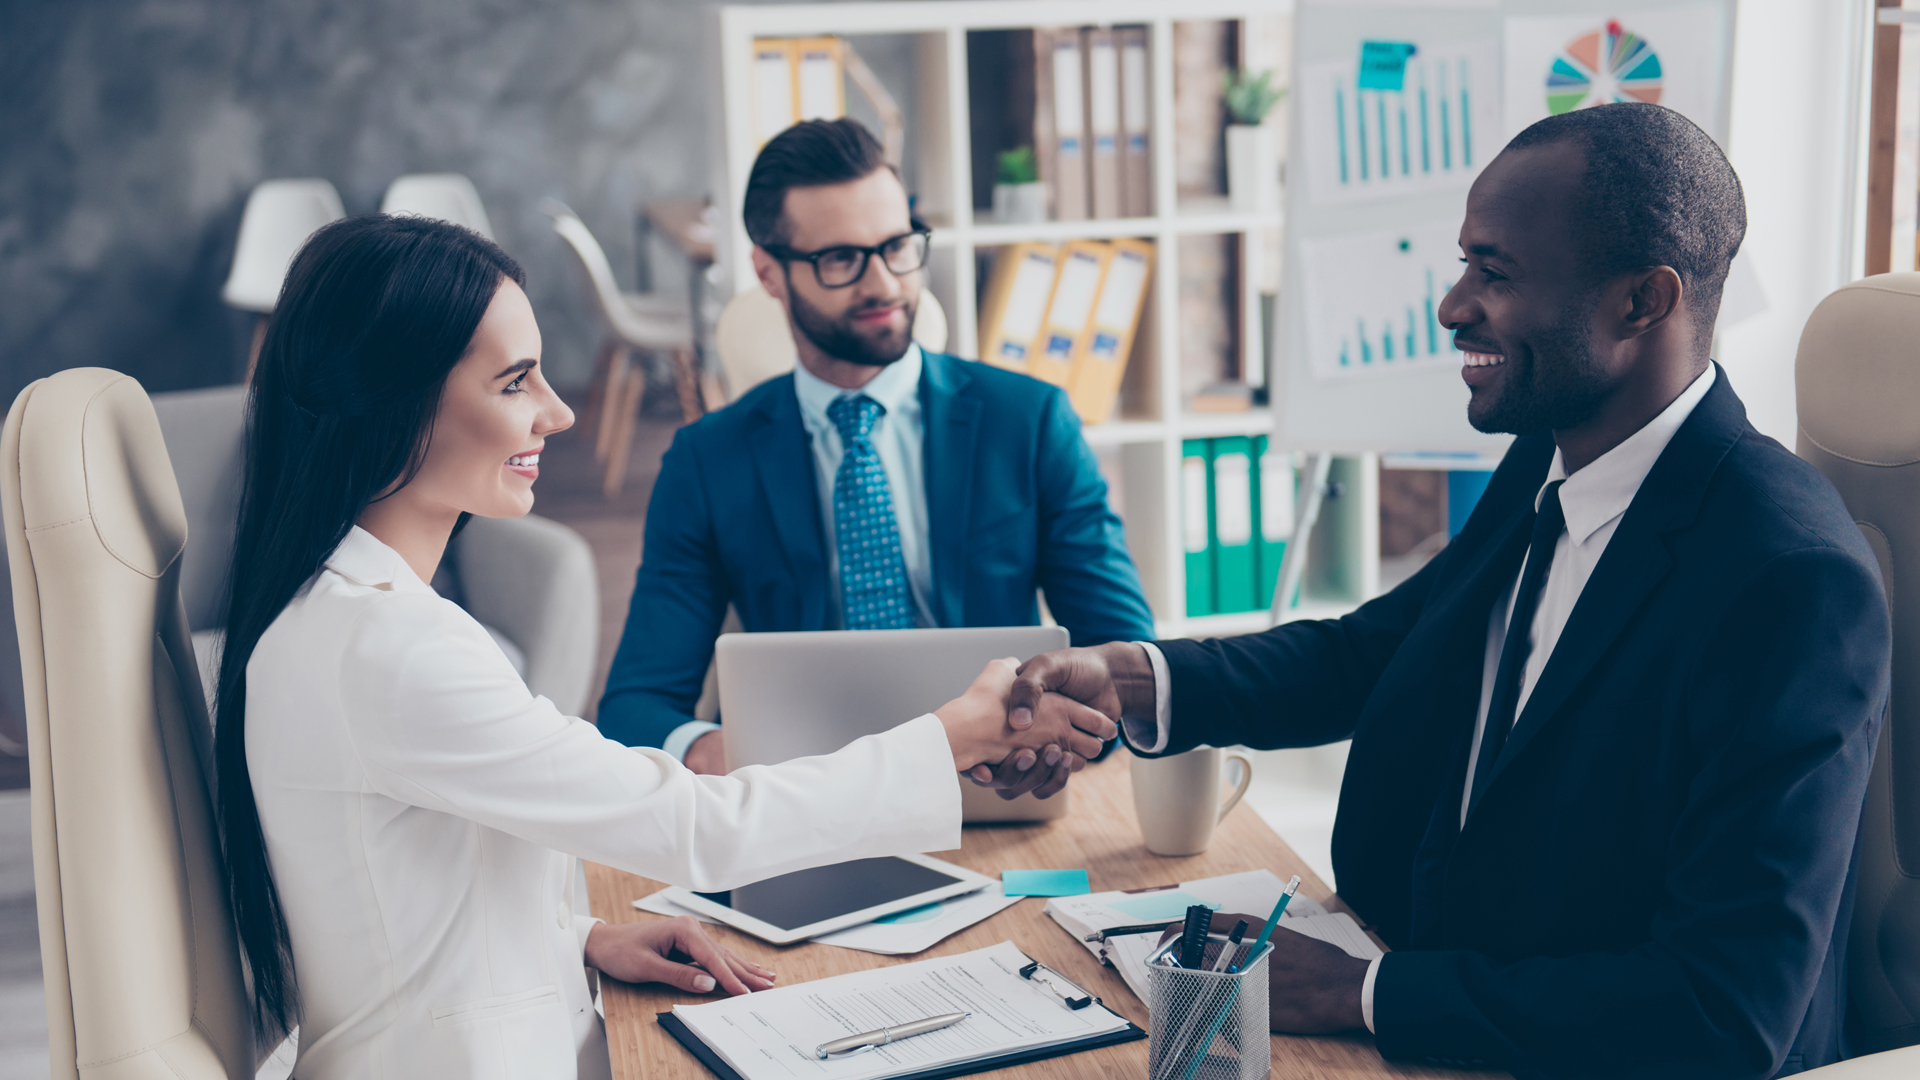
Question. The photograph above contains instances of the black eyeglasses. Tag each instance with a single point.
(841, 266)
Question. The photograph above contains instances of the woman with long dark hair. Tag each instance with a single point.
(399, 813)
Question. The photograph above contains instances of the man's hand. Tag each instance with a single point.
(707, 754)
(659, 951)
(1313, 988)
(1114, 680)
(978, 732)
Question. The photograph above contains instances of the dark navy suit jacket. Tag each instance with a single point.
(1657, 881)
(1015, 503)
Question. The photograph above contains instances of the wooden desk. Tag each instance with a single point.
(1100, 834)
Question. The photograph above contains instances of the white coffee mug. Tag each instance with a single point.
(1177, 798)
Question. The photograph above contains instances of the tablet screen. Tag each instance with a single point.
(806, 897)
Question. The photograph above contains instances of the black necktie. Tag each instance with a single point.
(1548, 523)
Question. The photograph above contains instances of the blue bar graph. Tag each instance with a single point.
(1432, 107)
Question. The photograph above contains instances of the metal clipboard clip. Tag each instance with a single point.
(1058, 985)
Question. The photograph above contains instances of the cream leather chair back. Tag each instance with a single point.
(1857, 379)
(142, 968)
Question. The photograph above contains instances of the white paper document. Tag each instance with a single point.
(1253, 893)
(911, 931)
(771, 1035)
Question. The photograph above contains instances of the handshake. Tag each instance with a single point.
(1029, 727)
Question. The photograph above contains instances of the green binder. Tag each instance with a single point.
(1235, 553)
(1196, 524)
(1274, 493)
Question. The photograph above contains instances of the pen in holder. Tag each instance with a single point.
(1208, 1025)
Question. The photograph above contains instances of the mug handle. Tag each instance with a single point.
(1246, 781)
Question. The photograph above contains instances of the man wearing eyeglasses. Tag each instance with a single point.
(879, 486)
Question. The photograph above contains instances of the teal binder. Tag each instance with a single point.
(1196, 524)
(1275, 492)
(1235, 554)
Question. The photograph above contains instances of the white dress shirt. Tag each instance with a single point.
(422, 811)
(1593, 501)
(899, 437)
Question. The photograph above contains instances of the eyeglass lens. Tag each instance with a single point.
(844, 266)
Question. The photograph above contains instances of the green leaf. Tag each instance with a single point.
(1249, 97)
(1017, 166)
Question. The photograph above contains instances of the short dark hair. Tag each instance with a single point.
(811, 153)
(1657, 191)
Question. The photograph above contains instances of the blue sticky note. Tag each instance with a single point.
(1383, 64)
(1158, 906)
(1044, 882)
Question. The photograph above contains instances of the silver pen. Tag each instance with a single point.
(854, 1044)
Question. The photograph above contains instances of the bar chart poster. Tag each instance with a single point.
(1399, 119)
(1372, 301)
(1675, 57)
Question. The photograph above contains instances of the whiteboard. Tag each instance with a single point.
(1380, 157)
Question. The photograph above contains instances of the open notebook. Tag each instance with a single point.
(1253, 893)
(772, 1035)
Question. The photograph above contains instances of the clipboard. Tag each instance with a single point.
(685, 1036)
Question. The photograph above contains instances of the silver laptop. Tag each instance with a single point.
(790, 695)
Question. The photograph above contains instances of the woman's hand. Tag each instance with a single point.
(658, 951)
(979, 734)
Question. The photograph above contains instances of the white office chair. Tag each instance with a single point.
(279, 217)
(142, 968)
(631, 321)
(447, 196)
(754, 342)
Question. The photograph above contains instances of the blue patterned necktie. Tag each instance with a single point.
(873, 574)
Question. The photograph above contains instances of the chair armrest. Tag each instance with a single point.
(533, 579)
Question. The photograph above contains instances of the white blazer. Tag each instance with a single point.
(421, 807)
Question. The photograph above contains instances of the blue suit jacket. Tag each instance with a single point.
(1014, 504)
(1657, 880)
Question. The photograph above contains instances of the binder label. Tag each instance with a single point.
(1104, 346)
(1193, 499)
(1233, 499)
(1276, 497)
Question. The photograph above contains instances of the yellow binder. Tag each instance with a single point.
(1101, 360)
(1015, 304)
(1083, 263)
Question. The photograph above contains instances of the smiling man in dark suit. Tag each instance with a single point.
(878, 486)
(1610, 746)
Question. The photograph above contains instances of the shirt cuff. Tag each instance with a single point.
(1139, 735)
(682, 737)
(583, 925)
(1366, 993)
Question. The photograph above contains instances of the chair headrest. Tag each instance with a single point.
(91, 447)
(1857, 376)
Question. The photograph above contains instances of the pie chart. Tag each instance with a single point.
(1603, 66)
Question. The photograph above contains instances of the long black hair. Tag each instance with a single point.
(375, 312)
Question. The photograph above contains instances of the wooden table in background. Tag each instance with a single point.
(1098, 833)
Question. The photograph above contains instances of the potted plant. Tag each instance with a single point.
(1253, 147)
(1018, 195)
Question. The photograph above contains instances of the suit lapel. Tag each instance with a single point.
(1636, 560)
(783, 458)
(952, 431)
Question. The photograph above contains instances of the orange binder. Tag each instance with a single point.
(1016, 303)
(1083, 263)
(1101, 361)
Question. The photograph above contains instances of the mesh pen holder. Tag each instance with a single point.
(1206, 1025)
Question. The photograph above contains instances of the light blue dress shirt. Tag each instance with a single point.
(899, 436)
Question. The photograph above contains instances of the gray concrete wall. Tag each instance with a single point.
(132, 130)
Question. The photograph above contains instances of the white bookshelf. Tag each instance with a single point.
(1343, 567)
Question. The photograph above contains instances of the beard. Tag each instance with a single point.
(1562, 385)
(842, 340)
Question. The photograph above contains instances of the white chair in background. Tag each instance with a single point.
(279, 217)
(630, 321)
(754, 343)
(447, 196)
